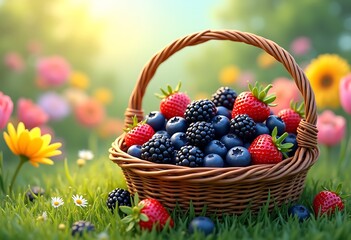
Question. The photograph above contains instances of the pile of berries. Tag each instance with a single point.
(228, 130)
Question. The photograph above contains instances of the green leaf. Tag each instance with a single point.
(144, 217)
(269, 99)
(128, 219)
(136, 199)
(126, 210)
(130, 226)
(2, 185)
(68, 175)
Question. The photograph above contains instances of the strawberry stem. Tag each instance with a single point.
(261, 93)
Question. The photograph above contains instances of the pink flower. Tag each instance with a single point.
(345, 93)
(30, 114)
(331, 128)
(90, 113)
(300, 46)
(54, 105)
(6, 107)
(285, 90)
(14, 61)
(52, 71)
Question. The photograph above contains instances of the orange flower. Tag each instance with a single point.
(111, 127)
(103, 95)
(90, 113)
(265, 60)
(228, 75)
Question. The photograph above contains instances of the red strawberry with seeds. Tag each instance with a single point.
(292, 116)
(325, 202)
(267, 149)
(138, 133)
(173, 103)
(147, 214)
(254, 103)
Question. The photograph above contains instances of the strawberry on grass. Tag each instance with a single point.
(292, 116)
(327, 201)
(254, 103)
(138, 133)
(146, 214)
(174, 102)
(267, 149)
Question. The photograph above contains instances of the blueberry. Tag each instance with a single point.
(223, 111)
(135, 151)
(179, 140)
(78, 228)
(162, 132)
(213, 160)
(238, 157)
(261, 128)
(231, 140)
(291, 138)
(201, 224)
(156, 120)
(221, 125)
(176, 124)
(217, 147)
(275, 121)
(299, 211)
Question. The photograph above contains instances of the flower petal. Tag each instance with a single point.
(10, 143)
(34, 146)
(42, 160)
(45, 150)
(13, 137)
(23, 142)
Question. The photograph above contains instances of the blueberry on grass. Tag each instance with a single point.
(213, 160)
(238, 157)
(118, 196)
(156, 120)
(216, 147)
(275, 121)
(135, 151)
(223, 111)
(201, 224)
(34, 192)
(179, 140)
(221, 125)
(291, 138)
(231, 140)
(299, 211)
(176, 124)
(78, 228)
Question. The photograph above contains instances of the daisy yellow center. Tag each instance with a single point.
(56, 203)
(78, 201)
(326, 81)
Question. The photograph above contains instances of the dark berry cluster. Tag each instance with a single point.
(208, 134)
(118, 197)
(78, 228)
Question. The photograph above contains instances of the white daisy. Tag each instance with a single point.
(56, 202)
(43, 217)
(86, 154)
(80, 201)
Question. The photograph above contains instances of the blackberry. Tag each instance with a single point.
(158, 149)
(200, 133)
(34, 192)
(118, 196)
(190, 156)
(243, 126)
(82, 226)
(200, 110)
(225, 97)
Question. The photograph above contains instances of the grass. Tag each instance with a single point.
(18, 216)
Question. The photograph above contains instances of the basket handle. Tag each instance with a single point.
(307, 127)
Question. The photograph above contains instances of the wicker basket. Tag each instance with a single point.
(222, 190)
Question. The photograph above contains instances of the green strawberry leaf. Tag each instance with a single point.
(126, 210)
(144, 217)
(130, 226)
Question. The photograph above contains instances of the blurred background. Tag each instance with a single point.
(74, 63)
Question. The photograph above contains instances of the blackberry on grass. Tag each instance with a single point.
(158, 149)
(200, 110)
(82, 226)
(200, 133)
(118, 196)
(190, 156)
(225, 97)
(243, 126)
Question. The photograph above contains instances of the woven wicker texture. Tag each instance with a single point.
(222, 190)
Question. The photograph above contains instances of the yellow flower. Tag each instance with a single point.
(103, 95)
(79, 80)
(31, 145)
(228, 75)
(265, 60)
(325, 73)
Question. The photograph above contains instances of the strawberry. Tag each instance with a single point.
(147, 214)
(292, 117)
(254, 103)
(267, 149)
(173, 103)
(326, 201)
(138, 133)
